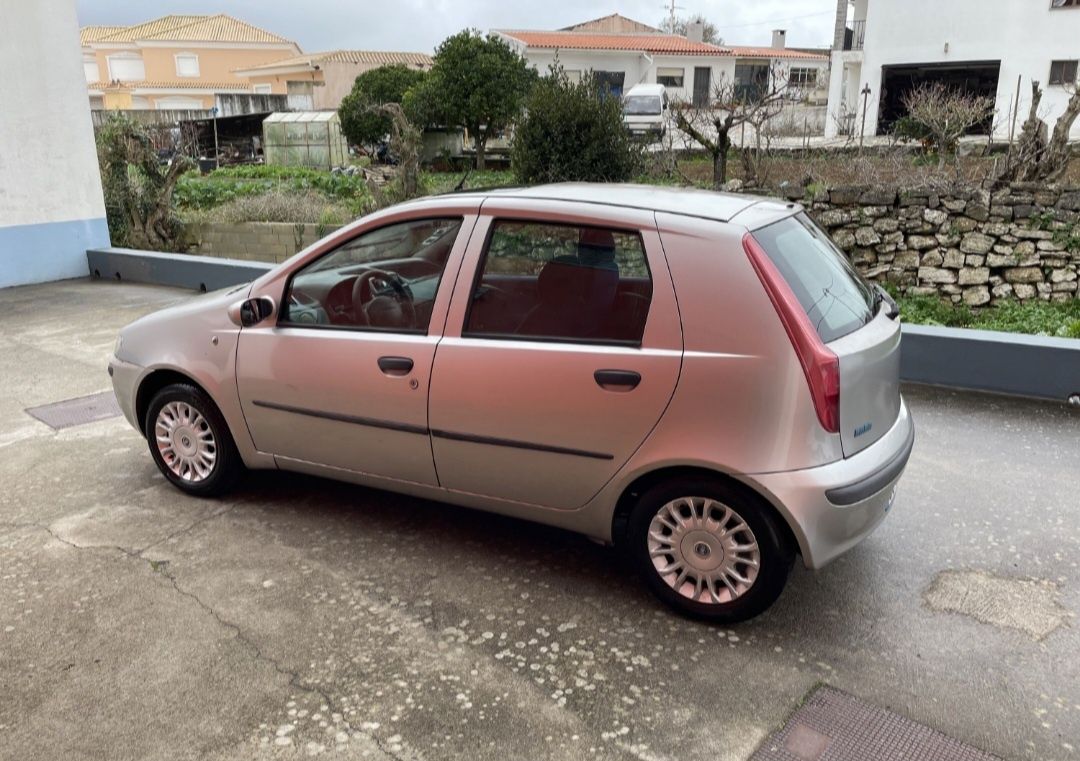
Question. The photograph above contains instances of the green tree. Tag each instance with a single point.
(362, 121)
(475, 82)
(571, 132)
(138, 189)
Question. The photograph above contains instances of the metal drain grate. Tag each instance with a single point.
(834, 726)
(80, 411)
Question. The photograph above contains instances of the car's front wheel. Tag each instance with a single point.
(190, 441)
(709, 549)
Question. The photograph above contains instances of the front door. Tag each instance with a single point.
(559, 357)
(702, 85)
(341, 379)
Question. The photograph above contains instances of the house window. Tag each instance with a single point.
(573, 75)
(187, 65)
(90, 70)
(1062, 72)
(263, 89)
(126, 67)
(803, 77)
(670, 77)
(301, 95)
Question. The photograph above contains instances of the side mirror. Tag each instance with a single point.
(251, 312)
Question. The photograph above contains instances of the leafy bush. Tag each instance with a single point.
(360, 121)
(229, 183)
(138, 189)
(572, 132)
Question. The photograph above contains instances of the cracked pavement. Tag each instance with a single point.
(301, 617)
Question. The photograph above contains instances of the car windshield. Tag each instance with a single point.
(835, 296)
(642, 105)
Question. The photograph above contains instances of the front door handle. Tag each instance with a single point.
(617, 380)
(396, 366)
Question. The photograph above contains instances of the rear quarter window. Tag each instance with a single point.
(836, 298)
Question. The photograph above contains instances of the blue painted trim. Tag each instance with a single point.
(48, 251)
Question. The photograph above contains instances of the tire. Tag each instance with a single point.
(719, 521)
(211, 464)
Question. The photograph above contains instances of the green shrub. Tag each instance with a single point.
(1031, 317)
(229, 183)
(572, 132)
(360, 122)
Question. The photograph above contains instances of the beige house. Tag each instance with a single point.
(177, 61)
(320, 80)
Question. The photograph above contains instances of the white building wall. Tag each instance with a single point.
(51, 205)
(1025, 35)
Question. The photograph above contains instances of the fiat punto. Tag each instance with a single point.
(701, 379)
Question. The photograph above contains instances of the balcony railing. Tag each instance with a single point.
(856, 36)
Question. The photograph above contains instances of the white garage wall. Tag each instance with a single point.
(51, 205)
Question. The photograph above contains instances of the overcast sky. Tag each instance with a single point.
(419, 25)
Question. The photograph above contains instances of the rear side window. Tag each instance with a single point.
(557, 282)
(836, 298)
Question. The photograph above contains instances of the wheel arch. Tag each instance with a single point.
(628, 498)
(156, 380)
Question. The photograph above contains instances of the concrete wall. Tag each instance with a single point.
(1024, 36)
(51, 205)
(252, 241)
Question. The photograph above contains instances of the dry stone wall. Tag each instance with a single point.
(970, 245)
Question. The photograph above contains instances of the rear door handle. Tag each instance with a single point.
(617, 380)
(395, 365)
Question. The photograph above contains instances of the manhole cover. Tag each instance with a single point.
(72, 412)
(834, 726)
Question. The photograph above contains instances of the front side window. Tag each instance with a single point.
(558, 282)
(1063, 72)
(385, 279)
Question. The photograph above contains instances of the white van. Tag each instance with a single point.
(645, 110)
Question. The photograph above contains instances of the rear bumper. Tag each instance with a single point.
(125, 380)
(833, 507)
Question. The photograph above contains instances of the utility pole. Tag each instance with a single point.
(671, 8)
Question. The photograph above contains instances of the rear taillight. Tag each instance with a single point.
(820, 365)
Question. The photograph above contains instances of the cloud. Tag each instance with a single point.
(421, 24)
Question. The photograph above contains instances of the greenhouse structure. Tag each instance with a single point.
(305, 138)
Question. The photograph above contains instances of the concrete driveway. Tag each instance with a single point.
(302, 617)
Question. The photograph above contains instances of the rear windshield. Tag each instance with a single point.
(835, 296)
(643, 105)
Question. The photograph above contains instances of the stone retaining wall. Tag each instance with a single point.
(254, 241)
(969, 245)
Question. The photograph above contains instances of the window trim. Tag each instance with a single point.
(176, 61)
(124, 56)
(266, 88)
(478, 276)
(280, 322)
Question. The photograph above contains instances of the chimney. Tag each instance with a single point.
(779, 39)
(695, 31)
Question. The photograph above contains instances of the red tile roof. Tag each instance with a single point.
(767, 52)
(649, 43)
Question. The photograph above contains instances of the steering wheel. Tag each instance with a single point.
(383, 299)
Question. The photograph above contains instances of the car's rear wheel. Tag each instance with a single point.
(709, 549)
(190, 441)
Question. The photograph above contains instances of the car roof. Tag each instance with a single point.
(691, 202)
(646, 90)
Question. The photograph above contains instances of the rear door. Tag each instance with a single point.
(851, 320)
(561, 353)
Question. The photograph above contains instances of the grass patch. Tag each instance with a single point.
(434, 183)
(225, 185)
(275, 206)
(1040, 318)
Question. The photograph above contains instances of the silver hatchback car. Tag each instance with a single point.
(701, 379)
